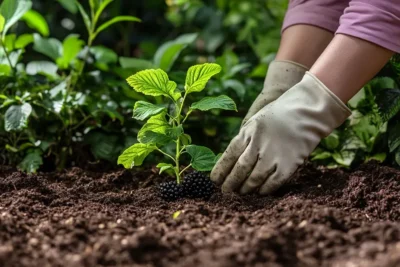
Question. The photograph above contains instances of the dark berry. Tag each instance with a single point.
(197, 185)
(170, 191)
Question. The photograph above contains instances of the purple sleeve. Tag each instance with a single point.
(376, 21)
(321, 13)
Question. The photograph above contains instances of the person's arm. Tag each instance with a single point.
(275, 141)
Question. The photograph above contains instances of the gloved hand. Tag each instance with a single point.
(281, 76)
(274, 142)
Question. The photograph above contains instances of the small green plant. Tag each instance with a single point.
(165, 122)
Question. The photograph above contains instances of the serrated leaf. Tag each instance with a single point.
(143, 110)
(388, 101)
(198, 76)
(150, 137)
(85, 16)
(154, 83)
(71, 47)
(220, 102)
(31, 162)
(112, 21)
(157, 124)
(174, 132)
(12, 11)
(164, 166)
(16, 117)
(37, 22)
(134, 155)
(203, 159)
(50, 47)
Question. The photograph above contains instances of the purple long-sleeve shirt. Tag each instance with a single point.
(376, 21)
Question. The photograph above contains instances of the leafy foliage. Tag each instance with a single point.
(158, 132)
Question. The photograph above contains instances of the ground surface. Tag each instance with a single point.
(79, 218)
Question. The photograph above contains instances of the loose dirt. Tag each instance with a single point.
(83, 218)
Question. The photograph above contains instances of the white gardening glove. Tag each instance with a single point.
(275, 141)
(281, 76)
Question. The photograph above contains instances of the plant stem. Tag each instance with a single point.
(187, 167)
(166, 154)
(178, 141)
(8, 57)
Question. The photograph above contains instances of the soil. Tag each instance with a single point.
(82, 218)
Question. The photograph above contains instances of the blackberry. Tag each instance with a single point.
(197, 185)
(170, 191)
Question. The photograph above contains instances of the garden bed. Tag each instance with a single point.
(82, 218)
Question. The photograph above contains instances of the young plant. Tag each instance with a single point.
(165, 123)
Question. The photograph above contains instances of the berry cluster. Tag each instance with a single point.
(194, 185)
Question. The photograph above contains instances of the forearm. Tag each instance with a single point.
(348, 63)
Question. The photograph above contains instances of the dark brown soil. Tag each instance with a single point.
(80, 218)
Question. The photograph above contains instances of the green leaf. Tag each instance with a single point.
(50, 47)
(154, 83)
(143, 110)
(164, 166)
(23, 40)
(72, 45)
(186, 139)
(85, 16)
(104, 55)
(167, 54)
(134, 155)
(69, 5)
(174, 132)
(31, 162)
(388, 101)
(117, 19)
(203, 159)
(9, 42)
(5, 69)
(198, 76)
(157, 124)
(100, 8)
(150, 137)
(135, 63)
(16, 117)
(321, 156)
(2, 22)
(12, 11)
(331, 142)
(394, 137)
(344, 158)
(42, 67)
(219, 102)
(36, 22)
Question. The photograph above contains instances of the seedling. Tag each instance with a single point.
(165, 122)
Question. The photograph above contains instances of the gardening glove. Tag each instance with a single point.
(281, 76)
(274, 142)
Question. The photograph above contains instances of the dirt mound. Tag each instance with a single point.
(83, 218)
